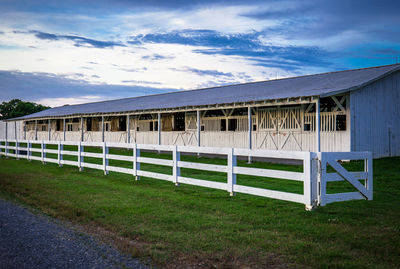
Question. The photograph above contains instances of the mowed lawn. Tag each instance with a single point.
(190, 226)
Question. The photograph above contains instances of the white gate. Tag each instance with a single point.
(339, 173)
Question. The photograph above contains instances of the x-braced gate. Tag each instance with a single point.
(331, 170)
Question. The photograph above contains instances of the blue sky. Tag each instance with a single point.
(67, 52)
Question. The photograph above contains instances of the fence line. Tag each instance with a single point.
(314, 176)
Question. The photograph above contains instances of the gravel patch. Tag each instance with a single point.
(35, 241)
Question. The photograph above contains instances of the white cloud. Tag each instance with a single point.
(129, 65)
(117, 65)
(225, 19)
(54, 102)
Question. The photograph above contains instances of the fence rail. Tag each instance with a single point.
(314, 175)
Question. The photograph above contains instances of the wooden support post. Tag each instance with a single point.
(35, 129)
(49, 128)
(176, 171)
(102, 129)
(64, 127)
(29, 152)
(16, 149)
(318, 125)
(135, 121)
(368, 169)
(43, 152)
(105, 160)
(6, 148)
(24, 124)
(6, 145)
(128, 129)
(315, 178)
(60, 155)
(249, 119)
(80, 157)
(308, 181)
(321, 181)
(82, 138)
(159, 128)
(136, 164)
(198, 128)
(15, 130)
(231, 174)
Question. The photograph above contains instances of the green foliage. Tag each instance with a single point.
(17, 108)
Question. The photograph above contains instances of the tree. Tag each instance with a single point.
(17, 108)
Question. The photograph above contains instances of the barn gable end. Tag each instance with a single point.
(375, 117)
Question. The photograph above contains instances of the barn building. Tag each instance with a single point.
(358, 110)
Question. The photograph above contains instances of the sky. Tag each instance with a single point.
(67, 52)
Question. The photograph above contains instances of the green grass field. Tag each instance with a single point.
(190, 226)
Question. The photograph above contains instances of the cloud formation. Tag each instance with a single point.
(78, 40)
(101, 49)
(46, 88)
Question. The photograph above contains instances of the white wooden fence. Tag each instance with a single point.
(314, 176)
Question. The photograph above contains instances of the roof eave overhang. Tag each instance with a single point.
(271, 102)
(361, 85)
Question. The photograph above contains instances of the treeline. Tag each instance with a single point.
(18, 108)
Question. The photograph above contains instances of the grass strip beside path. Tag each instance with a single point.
(190, 226)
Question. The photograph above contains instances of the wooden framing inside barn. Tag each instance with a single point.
(339, 111)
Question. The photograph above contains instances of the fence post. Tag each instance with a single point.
(321, 179)
(136, 164)
(16, 149)
(105, 160)
(6, 148)
(80, 157)
(176, 171)
(309, 181)
(315, 166)
(368, 169)
(134, 161)
(6, 134)
(231, 174)
(29, 152)
(60, 148)
(43, 152)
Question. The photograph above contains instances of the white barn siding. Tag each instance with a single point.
(11, 130)
(180, 138)
(301, 141)
(375, 117)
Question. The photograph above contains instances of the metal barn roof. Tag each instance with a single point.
(325, 84)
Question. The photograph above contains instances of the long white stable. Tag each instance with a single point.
(315, 175)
